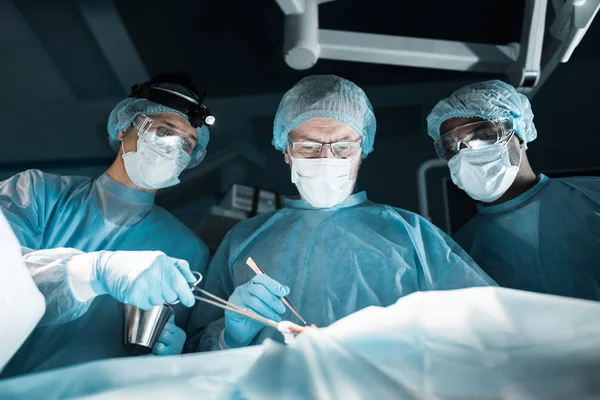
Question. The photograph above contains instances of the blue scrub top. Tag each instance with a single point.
(51, 211)
(546, 240)
(336, 261)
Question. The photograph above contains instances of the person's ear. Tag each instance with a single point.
(287, 158)
(120, 136)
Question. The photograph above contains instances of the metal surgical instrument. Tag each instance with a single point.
(250, 262)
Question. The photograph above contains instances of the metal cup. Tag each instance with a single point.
(141, 328)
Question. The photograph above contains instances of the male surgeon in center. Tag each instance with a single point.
(331, 252)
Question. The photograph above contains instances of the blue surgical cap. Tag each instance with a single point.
(125, 112)
(325, 96)
(488, 100)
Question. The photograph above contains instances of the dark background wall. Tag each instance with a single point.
(59, 83)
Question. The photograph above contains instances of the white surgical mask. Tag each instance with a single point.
(323, 182)
(152, 170)
(484, 174)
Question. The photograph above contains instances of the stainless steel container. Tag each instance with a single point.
(141, 329)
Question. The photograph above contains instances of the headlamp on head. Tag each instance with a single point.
(197, 113)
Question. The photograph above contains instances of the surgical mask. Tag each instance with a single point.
(152, 170)
(323, 182)
(485, 174)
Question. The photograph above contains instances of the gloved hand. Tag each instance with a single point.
(261, 295)
(141, 278)
(171, 340)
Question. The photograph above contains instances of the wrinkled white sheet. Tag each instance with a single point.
(479, 343)
(21, 303)
(146, 377)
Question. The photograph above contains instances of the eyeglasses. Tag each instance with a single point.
(475, 136)
(167, 139)
(313, 149)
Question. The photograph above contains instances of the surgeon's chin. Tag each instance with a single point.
(330, 204)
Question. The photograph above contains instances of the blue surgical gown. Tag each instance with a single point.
(336, 261)
(50, 211)
(546, 240)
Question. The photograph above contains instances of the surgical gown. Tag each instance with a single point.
(336, 261)
(547, 240)
(48, 211)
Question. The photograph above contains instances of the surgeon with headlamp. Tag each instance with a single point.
(531, 232)
(92, 243)
(331, 252)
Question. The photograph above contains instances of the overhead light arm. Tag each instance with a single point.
(305, 44)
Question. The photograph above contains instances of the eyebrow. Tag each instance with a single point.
(341, 138)
(347, 138)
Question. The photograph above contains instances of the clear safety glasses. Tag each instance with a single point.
(166, 139)
(475, 136)
(313, 149)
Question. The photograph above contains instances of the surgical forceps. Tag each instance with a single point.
(250, 262)
(219, 302)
